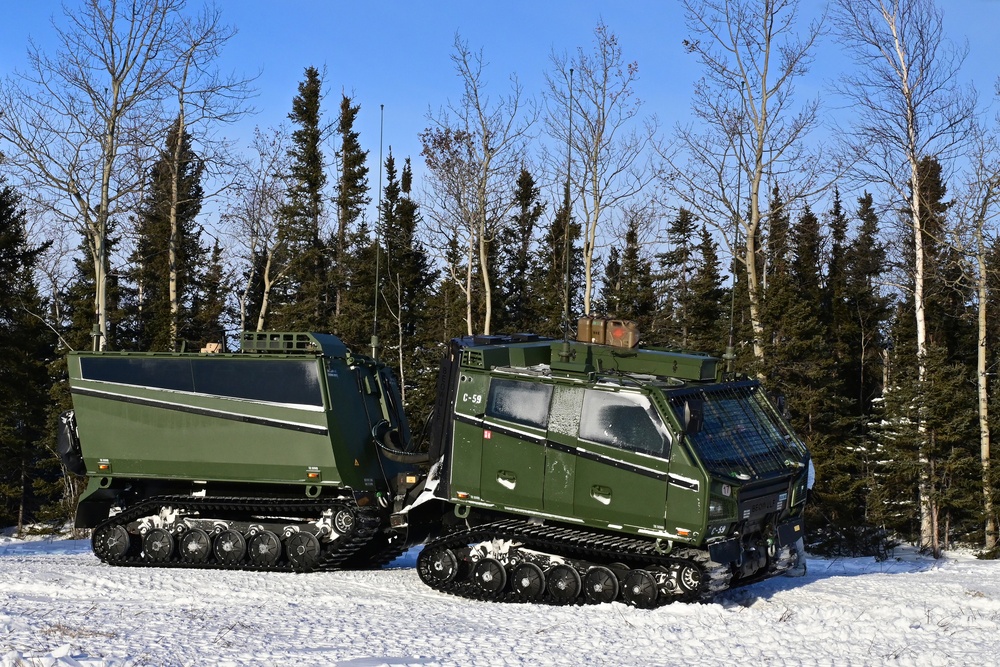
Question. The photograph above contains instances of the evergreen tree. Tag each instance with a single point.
(164, 249)
(358, 309)
(27, 470)
(866, 313)
(930, 435)
(835, 313)
(612, 284)
(77, 324)
(562, 232)
(706, 303)
(304, 301)
(677, 269)
(516, 266)
(352, 195)
(636, 296)
(446, 307)
(406, 289)
(208, 303)
(776, 286)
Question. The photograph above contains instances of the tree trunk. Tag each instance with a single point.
(468, 286)
(175, 176)
(928, 526)
(484, 270)
(983, 389)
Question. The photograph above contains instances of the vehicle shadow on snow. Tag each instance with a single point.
(823, 568)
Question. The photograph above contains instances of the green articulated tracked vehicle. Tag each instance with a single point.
(595, 470)
(265, 459)
(588, 470)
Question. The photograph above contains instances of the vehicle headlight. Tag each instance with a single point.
(717, 509)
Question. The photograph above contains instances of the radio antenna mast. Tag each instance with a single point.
(378, 228)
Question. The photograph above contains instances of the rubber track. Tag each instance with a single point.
(581, 546)
(376, 553)
(367, 522)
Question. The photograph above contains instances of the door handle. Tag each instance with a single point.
(601, 494)
(506, 478)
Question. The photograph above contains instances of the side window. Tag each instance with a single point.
(567, 403)
(524, 403)
(623, 420)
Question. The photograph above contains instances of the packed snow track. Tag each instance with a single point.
(59, 605)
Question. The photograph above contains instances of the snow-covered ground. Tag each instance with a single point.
(60, 606)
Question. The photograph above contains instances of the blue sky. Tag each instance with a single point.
(397, 53)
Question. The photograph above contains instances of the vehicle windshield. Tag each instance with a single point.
(741, 435)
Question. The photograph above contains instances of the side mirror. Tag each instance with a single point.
(694, 415)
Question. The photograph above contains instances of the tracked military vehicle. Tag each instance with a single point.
(596, 470)
(264, 459)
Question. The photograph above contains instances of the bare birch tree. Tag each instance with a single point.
(475, 177)
(204, 100)
(610, 143)
(254, 213)
(907, 106)
(978, 208)
(750, 129)
(81, 126)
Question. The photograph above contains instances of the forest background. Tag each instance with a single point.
(812, 196)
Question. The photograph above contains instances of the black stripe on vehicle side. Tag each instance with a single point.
(232, 416)
(601, 458)
(559, 447)
(497, 428)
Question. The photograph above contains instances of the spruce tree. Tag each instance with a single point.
(611, 284)
(27, 469)
(352, 196)
(162, 322)
(208, 303)
(636, 294)
(706, 303)
(363, 260)
(446, 307)
(691, 288)
(516, 265)
(866, 313)
(304, 301)
(405, 291)
(930, 433)
(562, 233)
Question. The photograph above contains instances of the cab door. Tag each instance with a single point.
(621, 467)
(513, 443)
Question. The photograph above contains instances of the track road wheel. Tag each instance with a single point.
(230, 547)
(528, 581)
(490, 576)
(195, 546)
(158, 545)
(343, 522)
(265, 548)
(689, 580)
(564, 584)
(112, 543)
(639, 589)
(600, 585)
(437, 566)
(303, 551)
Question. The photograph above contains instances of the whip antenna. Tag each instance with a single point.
(378, 228)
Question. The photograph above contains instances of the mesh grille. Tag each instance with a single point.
(742, 434)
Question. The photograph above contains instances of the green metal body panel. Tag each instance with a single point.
(300, 413)
(526, 440)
